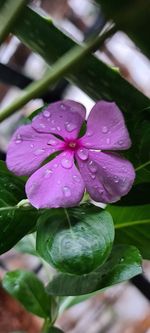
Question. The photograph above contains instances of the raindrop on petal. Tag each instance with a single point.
(18, 138)
(66, 191)
(62, 106)
(70, 126)
(42, 125)
(83, 154)
(39, 151)
(92, 166)
(108, 141)
(46, 113)
(31, 145)
(52, 142)
(76, 178)
(66, 163)
(116, 179)
(58, 128)
(48, 172)
(120, 142)
(89, 133)
(104, 129)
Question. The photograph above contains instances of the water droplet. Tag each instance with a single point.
(46, 114)
(104, 129)
(39, 151)
(116, 179)
(66, 191)
(66, 163)
(58, 128)
(62, 106)
(31, 145)
(18, 138)
(122, 260)
(100, 191)
(92, 166)
(53, 121)
(120, 142)
(48, 172)
(55, 165)
(83, 154)
(124, 169)
(92, 175)
(104, 167)
(108, 141)
(89, 133)
(42, 125)
(70, 126)
(87, 144)
(52, 142)
(76, 178)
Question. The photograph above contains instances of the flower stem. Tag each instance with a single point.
(9, 12)
(59, 69)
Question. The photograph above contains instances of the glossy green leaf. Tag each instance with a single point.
(11, 187)
(132, 226)
(29, 290)
(132, 17)
(15, 222)
(94, 77)
(53, 330)
(123, 263)
(27, 245)
(75, 240)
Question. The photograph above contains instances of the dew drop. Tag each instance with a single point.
(120, 142)
(83, 154)
(92, 176)
(48, 172)
(70, 126)
(108, 141)
(18, 138)
(66, 163)
(116, 179)
(104, 129)
(53, 121)
(100, 191)
(46, 113)
(89, 133)
(66, 191)
(62, 106)
(52, 142)
(92, 166)
(122, 260)
(124, 169)
(39, 151)
(76, 178)
(87, 144)
(31, 145)
(42, 125)
(58, 128)
(55, 165)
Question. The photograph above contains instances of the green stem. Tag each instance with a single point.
(9, 12)
(59, 69)
(46, 326)
(142, 166)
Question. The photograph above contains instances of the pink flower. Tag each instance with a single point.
(81, 162)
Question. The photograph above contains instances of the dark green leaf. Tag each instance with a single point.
(132, 17)
(75, 240)
(27, 245)
(132, 226)
(54, 330)
(11, 187)
(123, 263)
(15, 222)
(29, 290)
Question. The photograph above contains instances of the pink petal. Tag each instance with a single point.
(107, 176)
(56, 184)
(28, 149)
(63, 118)
(106, 128)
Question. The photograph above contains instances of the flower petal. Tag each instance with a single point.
(107, 176)
(28, 149)
(56, 184)
(106, 128)
(63, 118)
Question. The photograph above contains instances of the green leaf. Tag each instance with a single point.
(132, 17)
(15, 222)
(132, 226)
(94, 77)
(53, 330)
(75, 240)
(29, 290)
(123, 263)
(11, 187)
(9, 11)
(27, 245)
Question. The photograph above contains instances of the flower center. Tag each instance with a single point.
(72, 144)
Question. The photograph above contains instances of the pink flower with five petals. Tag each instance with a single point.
(88, 162)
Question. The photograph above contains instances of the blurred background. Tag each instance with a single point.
(121, 309)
